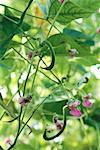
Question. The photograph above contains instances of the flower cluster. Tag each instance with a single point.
(74, 111)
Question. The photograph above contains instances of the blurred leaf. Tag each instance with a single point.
(10, 28)
(92, 5)
(75, 34)
(87, 43)
(23, 146)
(69, 12)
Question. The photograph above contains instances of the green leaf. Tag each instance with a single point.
(75, 34)
(6, 109)
(10, 28)
(60, 43)
(92, 5)
(23, 146)
(69, 12)
(55, 107)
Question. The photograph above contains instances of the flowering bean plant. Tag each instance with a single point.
(50, 74)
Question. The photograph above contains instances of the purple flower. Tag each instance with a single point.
(7, 141)
(75, 112)
(87, 103)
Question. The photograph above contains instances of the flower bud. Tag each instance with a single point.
(59, 125)
(23, 101)
(61, 1)
(98, 30)
(73, 52)
(8, 141)
(30, 54)
(87, 96)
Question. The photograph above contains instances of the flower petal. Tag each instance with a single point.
(75, 112)
(87, 103)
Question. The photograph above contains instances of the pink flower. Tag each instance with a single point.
(58, 123)
(8, 141)
(74, 104)
(75, 112)
(23, 101)
(86, 100)
(87, 103)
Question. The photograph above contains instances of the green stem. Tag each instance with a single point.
(84, 130)
(19, 126)
(35, 75)
(34, 66)
(52, 25)
(32, 115)
(27, 79)
(21, 12)
(61, 131)
(18, 84)
(24, 13)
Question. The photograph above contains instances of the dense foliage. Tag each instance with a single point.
(50, 74)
